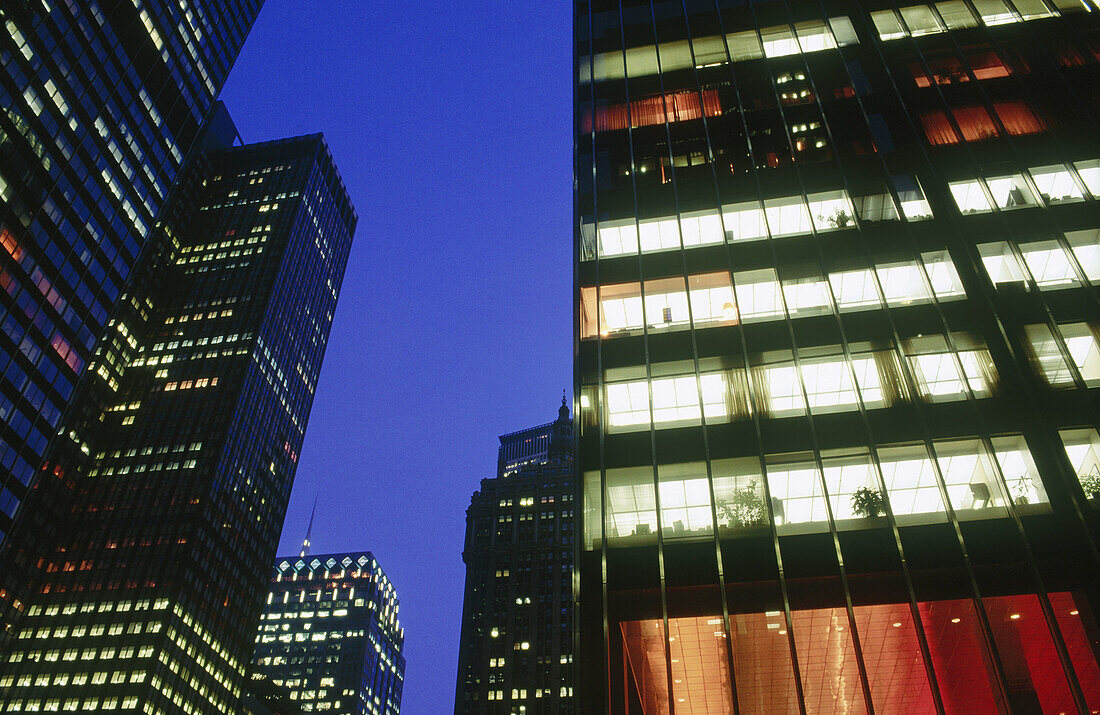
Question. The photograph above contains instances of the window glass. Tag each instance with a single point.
(1056, 184)
(588, 312)
(914, 206)
(618, 240)
(620, 308)
(921, 20)
(910, 480)
(787, 217)
(744, 221)
(1089, 171)
(1082, 346)
(593, 510)
(844, 475)
(744, 46)
(854, 290)
(781, 391)
(701, 229)
(871, 371)
(1014, 458)
(888, 25)
(716, 395)
(994, 12)
(1000, 263)
(658, 234)
(1010, 191)
(666, 304)
(797, 497)
(675, 399)
(1047, 356)
(1049, 265)
(970, 476)
(1083, 450)
(1086, 248)
(956, 14)
(828, 385)
(902, 283)
(832, 210)
(809, 296)
(942, 274)
(631, 507)
(739, 497)
(779, 41)
(969, 196)
(685, 500)
(876, 207)
(712, 300)
(814, 36)
(628, 404)
(758, 295)
(1032, 9)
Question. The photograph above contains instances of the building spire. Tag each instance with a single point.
(309, 530)
(563, 411)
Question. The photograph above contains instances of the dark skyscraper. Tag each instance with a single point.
(168, 496)
(516, 649)
(331, 636)
(836, 356)
(101, 103)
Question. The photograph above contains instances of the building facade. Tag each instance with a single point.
(330, 634)
(101, 104)
(148, 554)
(837, 356)
(516, 645)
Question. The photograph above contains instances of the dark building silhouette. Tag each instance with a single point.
(330, 635)
(516, 649)
(102, 101)
(147, 545)
(836, 356)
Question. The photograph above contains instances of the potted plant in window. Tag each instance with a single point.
(743, 508)
(1021, 491)
(868, 502)
(1090, 483)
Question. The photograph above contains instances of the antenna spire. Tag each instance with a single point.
(309, 530)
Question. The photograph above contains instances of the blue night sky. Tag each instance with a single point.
(450, 123)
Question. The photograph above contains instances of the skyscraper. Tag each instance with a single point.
(331, 635)
(171, 488)
(516, 649)
(836, 355)
(101, 103)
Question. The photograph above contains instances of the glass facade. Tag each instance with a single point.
(516, 648)
(101, 103)
(331, 637)
(147, 546)
(836, 340)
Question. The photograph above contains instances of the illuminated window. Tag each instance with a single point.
(854, 290)
(1014, 458)
(1056, 184)
(620, 308)
(1010, 192)
(828, 385)
(758, 296)
(628, 404)
(1000, 263)
(888, 25)
(739, 496)
(1081, 343)
(659, 234)
(675, 398)
(631, 506)
(937, 373)
(666, 303)
(1086, 248)
(921, 20)
(685, 500)
(910, 480)
(970, 475)
(1089, 171)
(782, 391)
(797, 496)
(942, 274)
(1047, 355)
(712, 299)
(902, 283)
(744, 222)
(844, 474)
(1083, 450)
(914, 206)
(994, 12)
(787, 217)
(876, 207)
(701, 229)
(970, 196)
(618, 240)
(1049, 265)
(809, 296)
(831, 210)
(956, 14)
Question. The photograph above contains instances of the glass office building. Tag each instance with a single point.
(155, 527)
(101, 102)
(331, 636)
(836, 345)
(516, 648)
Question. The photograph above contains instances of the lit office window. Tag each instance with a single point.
(888, 25)
(809, 296)
(588, 312)
(970, 476)
(956, 14)
(782, 391)
(666, 303)
(876, 207)
(1083, 349)
(921, 20)
(631, 507)
(1032, 9)
(854, 290)
(937, 373)
(702, 229)
(1089, 171)
(1056, 184)
(910, 480)
(914, 205)
(828, 385)
(1014, 458)
(1049, 265)
(848, 477)
(675, 399)
(758, 296)
(942, 274)
(658, 234)
(618, 240)
(1000, 263)
(831, 210)
(712, 301)
(1011, 191)
(995, 12)
(1086, 248)
(787, 216)
(620, 308)
(739, 497)
(744, 222)
(870, 371)
(1083, 450)
(1047, 355)
(685, 500)
(902, 283)
(969, 196)
(797, 497)
(628, 404)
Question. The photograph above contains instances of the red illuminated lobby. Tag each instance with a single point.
(837, 356)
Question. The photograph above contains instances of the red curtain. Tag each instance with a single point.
(673, 107)
(937, 129)
(975, 123)
(1018, 118)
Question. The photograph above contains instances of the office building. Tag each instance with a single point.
(168, 498)
(836, 356)
(330, 634)
(516, 645)
(101, 103)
